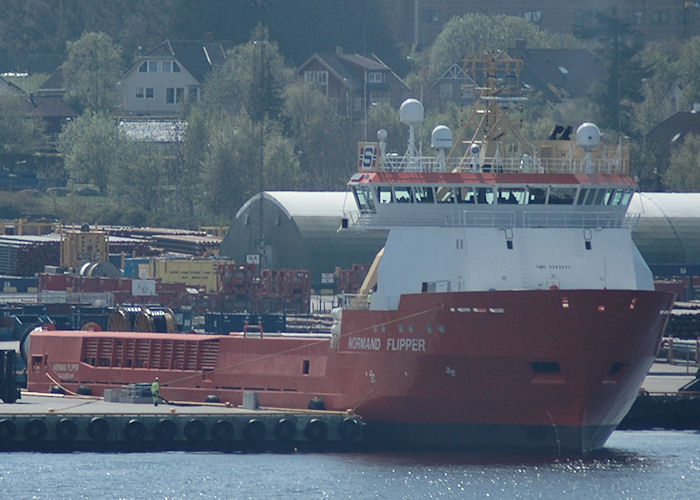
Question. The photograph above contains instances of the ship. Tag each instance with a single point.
(508, 310)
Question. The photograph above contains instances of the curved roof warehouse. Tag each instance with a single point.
(668, 233)
(299, 230)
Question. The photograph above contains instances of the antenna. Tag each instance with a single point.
(441, 139)
(411, 114)
(381, 137)
(588, 137)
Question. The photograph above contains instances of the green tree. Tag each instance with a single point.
(281, 170)
(648, 163)
(384, 116)
(191, 158)
(252, 78)
(142, 179)
(90, 147)
(618, 45)
(475, 33)
(689, 69)
(91, 72)
(684, 172)
(322, 141)
(17, 125)
(229, 173)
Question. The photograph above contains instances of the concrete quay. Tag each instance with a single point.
(668, 378)
(56, 422)
(660, 405)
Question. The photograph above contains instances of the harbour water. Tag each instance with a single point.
(634, 464)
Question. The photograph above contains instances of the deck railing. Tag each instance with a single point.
(511, 165)
(490, 218)
(356, 301)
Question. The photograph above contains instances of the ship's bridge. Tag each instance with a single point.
(453, 199)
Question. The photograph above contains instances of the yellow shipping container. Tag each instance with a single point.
(200, 273)
(79, 247)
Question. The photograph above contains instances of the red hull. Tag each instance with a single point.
(473, 368)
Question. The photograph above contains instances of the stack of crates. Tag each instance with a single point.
(350, 280)
(284, 290)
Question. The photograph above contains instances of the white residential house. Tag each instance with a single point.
(164, 78)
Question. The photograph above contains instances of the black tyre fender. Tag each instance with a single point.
(134, 430)
(317, 404)
(35, 429)
(10, 394)
(316, 430)
(285, 430)
(222, 431)
(84, 390)
(254, 431)
(195, 431)
(165, 430)
(8, 430)
(349, 429)
(65, 429)
(98, 428)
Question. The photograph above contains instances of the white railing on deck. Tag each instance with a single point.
(488, 218)
(532, 165)
(578, 219)
(356, 301)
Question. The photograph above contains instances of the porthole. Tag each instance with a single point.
(429, 328)
(441, 328)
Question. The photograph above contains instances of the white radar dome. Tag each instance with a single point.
(382, 135)
(588, 135)
(411, 112)
(441, 138)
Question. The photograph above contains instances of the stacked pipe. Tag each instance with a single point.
(684, 323)
(27, 255)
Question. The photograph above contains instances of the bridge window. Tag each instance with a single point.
(403, 194)
(616, 197)
(511, 196)
(445, 195)
(423, 194)
(608, 196)
(595, 197)
(562, 196)
(466, 195)
(484, 195)
(581, 196)
(363, 197)
(536, 196)
(626, 197)
(384, 194)
(479, 195)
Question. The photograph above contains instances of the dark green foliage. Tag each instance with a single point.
(618, 44)
(300, 27)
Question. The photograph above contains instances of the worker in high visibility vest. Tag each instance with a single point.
(155, 391)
